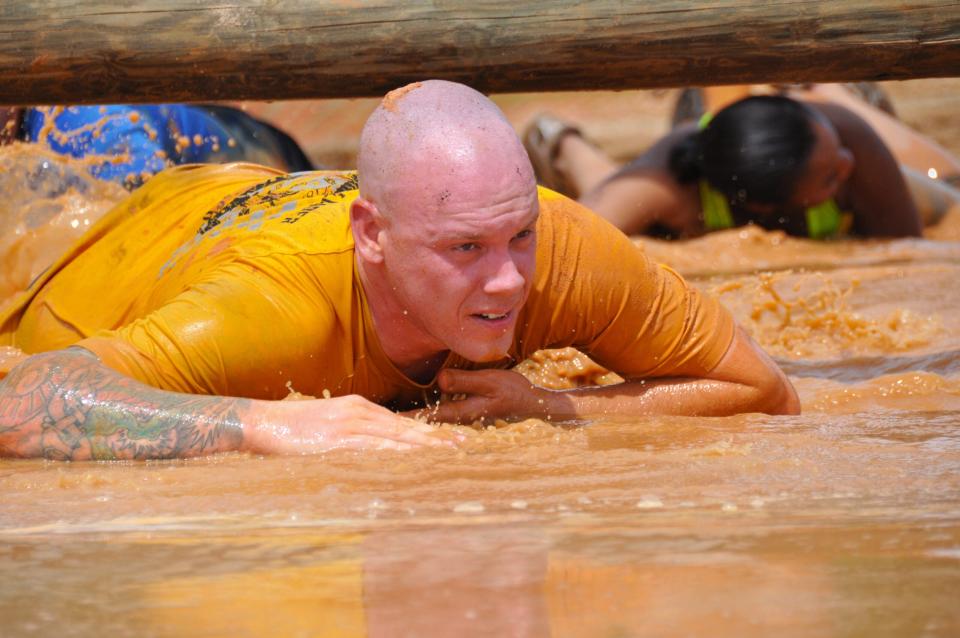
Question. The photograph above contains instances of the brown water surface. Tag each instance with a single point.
(844, 521)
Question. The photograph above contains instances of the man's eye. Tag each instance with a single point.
(465, 248)
(523, 234)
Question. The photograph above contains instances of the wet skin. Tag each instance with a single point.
(462, 275)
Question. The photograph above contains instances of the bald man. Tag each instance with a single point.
(174, 326)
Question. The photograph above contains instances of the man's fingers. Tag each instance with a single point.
(466, 411)
(465, 381)
(399, 427)
(403, 430)
(366, 442)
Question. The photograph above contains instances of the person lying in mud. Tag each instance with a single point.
(810, 165)
(128, 143)
(176, 324)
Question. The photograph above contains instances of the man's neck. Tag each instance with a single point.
(406, 346)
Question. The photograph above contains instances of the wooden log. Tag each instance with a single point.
(98, 51)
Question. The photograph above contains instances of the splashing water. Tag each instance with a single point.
(49, 201)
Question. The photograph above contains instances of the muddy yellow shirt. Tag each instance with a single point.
(237, 280)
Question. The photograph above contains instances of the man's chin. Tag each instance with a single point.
(487, 355)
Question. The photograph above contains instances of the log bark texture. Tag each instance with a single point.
(97, 51)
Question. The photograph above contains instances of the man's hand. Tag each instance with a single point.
(745, 380)
(67, 405)
(318, 425)
(490, 394)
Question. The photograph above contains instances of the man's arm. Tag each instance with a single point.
(644, 193)
(745, 380)
(67, 405)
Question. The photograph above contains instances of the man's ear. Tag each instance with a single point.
(367, 224)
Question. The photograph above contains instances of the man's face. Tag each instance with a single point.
(461, 267)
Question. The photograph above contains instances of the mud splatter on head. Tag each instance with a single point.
(390, 99)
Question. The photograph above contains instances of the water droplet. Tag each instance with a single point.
(470, 507)
(649, 503)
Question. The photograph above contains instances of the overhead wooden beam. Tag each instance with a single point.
(101, 51)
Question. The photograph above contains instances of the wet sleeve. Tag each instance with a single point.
(244, 330)
(633, 316)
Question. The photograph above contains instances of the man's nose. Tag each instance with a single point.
(506, 276)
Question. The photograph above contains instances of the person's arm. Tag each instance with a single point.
(638, 199)
(882, 205)
(745, 380)
(644, 193)
(66, 405)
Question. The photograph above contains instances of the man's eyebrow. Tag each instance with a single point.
(467, 236)
(462, 237)
(454, 237)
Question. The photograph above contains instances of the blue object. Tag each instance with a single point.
(128, 143)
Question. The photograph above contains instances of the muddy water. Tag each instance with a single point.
(844, 521)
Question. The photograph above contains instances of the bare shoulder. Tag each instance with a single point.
(853, 130)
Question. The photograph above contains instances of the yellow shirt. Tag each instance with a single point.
(238, 280)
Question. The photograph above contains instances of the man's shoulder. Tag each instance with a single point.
(300, 212)
(553, 200)
(567, 221)
(240, 212)
(557, 209)
(577, 247)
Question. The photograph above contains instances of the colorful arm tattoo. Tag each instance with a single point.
(66, 405)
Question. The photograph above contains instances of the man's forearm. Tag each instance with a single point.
(67, 405)
(744, 381)
(681, 397)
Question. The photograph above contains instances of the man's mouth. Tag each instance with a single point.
(493, 317)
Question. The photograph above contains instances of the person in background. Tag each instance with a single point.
(809, 163)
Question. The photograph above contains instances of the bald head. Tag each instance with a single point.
(431, 141)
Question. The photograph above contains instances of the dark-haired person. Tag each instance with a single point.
(811, 168)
